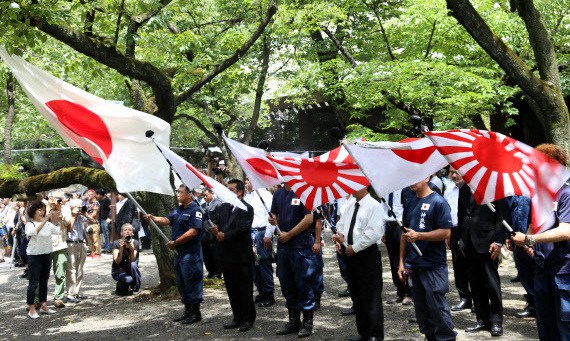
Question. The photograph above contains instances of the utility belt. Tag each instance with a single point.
(257, 229)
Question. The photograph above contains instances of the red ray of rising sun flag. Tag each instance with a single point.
(83, 124)
(489, 163)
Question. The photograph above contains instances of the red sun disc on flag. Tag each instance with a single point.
(418, 156)
(84, 123)
(318, 174)
(489, 162)
(323, 179)
(263, 167)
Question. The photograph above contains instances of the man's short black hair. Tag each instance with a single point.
(100, 191)
(240, 186)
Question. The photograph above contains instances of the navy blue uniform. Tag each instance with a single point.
(429, 276)
(319, 282)
(296, 263)
(188, 263)
(552, 279)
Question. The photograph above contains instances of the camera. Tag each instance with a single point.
(59, 200)
(128, 239)
(83, 209)
(218, 170)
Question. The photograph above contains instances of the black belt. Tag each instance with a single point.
(259, 228)
(74, 241)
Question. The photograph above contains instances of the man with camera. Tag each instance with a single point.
(76, 251)
(125, 269)
(91, 212)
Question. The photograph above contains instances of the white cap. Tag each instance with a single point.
(222, 163)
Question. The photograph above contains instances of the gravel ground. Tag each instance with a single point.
(104, 316)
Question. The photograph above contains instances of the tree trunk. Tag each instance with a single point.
(544, 91)
(9, 119)
(259, 91)
(160, 205)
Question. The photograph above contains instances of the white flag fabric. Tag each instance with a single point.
(193, 178)
(302, 155)
(390, 166)
(113, 135)
(260, 171)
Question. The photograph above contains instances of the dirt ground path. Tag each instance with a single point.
(104, 316)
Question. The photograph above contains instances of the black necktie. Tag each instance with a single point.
(352, 222)
(391, 200)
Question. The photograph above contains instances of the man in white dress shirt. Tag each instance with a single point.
(359, 229)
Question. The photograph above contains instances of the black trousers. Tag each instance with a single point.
(238, 279)
(211, 256)
(365, 283)
(485, 285)
(393, 235)
(459, 261)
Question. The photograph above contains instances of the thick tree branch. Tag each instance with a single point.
(118, 24)
(430, 40)
(545, 92)
(111, 57)
(382, 30)
(259, 91)
(507, 59)
(145, 17)
(9, 118)
(90, 177)
(339, 46)
(213, 137)
(232, 59)
(540, 41)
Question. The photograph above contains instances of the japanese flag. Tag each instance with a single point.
(113, 135)
(260, 171)
(390, 166)
(193, 178)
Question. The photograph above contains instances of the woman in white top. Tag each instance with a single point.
(39, 231)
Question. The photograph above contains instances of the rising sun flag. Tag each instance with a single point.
(322, 179)
(496, 166)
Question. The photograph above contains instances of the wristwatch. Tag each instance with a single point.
(529, 240)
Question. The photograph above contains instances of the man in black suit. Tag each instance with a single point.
(481, 241)
(210, 246)
(125, 212)
(233, 232)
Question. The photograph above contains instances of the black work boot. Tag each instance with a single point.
(307, 326)
(194, 316)
(293, 325)
(187, 308)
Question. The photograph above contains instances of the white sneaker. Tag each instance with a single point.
(48, 312)
(33, 316)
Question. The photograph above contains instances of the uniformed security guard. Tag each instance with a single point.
(186, 222)
(296, 262)
(427, 217)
